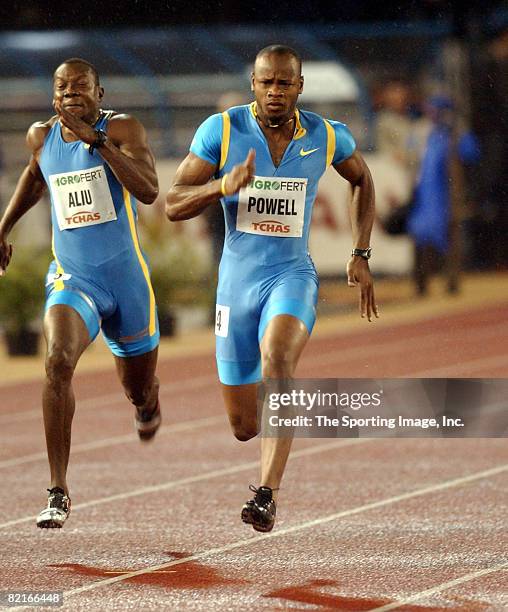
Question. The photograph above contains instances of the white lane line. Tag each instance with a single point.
(465, 367)
(422, 342)
(330, 357)
(198, 478)
(176, 427)
(115, 440)
(441, 587)
(102, 401)
(296, 528)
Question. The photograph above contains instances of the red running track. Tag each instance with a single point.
(406, 524)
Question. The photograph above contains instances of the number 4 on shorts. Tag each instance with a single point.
(221, 320)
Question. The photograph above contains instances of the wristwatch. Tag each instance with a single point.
(365, 253)
(100, 139)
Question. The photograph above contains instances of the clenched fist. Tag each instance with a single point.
(241, 174)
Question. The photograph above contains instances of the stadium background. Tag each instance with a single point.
(170, 64)
(171, 68)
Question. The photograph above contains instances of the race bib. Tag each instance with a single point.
(82, 198)
(271, 206)
(221, 320)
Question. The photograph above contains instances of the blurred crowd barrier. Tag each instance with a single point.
(374, 77)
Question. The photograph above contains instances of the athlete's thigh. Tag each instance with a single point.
(236, 332)
(293, 292)
(66, 334)
(138, 372)
(72, 316)
(287, 318)
(241, 403)
(283, 342)
(132, 329)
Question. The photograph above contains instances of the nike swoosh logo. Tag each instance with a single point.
(304, 153)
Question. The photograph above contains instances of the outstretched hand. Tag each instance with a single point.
(358, 273)
(82, 130)
(5, 255)
(241, 174)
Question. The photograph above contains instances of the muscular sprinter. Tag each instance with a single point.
(266, 159)
(96, 164)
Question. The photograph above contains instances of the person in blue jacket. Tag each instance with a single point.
(430, 218)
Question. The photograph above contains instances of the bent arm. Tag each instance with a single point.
(192, 191)
(362, 206)
(28, 192)
(128, 155)
(30, 185)
(126, 151)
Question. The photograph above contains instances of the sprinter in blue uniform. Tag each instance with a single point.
(95, 164)
(266, 159)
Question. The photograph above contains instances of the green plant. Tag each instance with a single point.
(22, 289)
(180, 276)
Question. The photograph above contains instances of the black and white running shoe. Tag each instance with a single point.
(260, 511)
(57, 510)
(147, 423)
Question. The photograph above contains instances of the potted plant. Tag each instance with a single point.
(179, 275)
(22, 301)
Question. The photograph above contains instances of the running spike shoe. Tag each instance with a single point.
(147, 423)
(260, 511)
(57, 510)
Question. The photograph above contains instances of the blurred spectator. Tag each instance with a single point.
(490, 121)
(432, 222)
(398, 132)
(2, 168)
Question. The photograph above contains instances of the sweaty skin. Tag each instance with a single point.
(276, 83)
(76, 99)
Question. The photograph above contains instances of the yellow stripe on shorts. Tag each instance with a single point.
(58, 285)
(142, 262)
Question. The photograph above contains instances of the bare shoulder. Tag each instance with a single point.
(124, 127)
(37, 132)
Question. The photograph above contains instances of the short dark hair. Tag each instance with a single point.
(79, 60)
(281, 50)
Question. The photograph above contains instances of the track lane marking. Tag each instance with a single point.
(296, 528)
(183, 426)
(101, 401)
(441, 587)
(242, 467)
(465, 367)
(323, 358)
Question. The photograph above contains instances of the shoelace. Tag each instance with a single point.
(145, 416)
(56, 498)
(263, 494)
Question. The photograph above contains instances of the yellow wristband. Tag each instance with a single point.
(223, 186)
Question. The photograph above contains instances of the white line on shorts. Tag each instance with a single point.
(441, 587)
(296, 528)
(198, 478)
